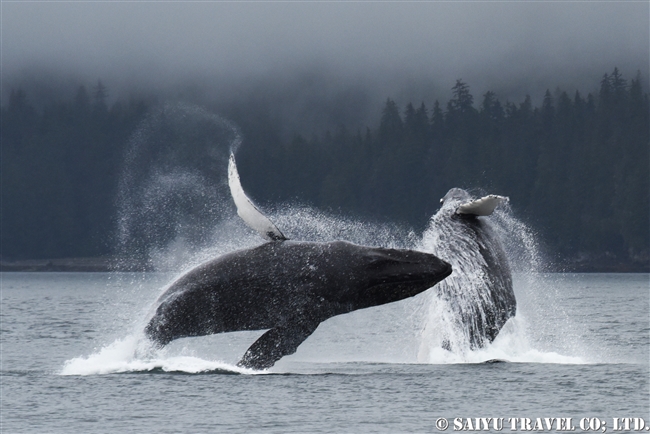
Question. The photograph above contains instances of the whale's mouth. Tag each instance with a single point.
(405, 280)
(404, 272)
(397, 286)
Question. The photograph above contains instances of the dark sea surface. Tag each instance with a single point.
(73, 361)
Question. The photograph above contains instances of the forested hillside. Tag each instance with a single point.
(576, 168)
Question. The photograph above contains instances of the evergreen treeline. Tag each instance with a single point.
(60, 169)
(576, 168)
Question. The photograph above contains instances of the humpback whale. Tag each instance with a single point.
(480, 292)
(285, 287)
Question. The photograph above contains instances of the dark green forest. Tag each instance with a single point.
(576, 168)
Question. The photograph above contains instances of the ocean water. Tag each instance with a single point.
(72, 360)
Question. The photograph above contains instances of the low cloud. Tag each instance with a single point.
(361, 52)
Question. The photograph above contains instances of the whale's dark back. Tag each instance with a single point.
(242, 290)
(278, 282)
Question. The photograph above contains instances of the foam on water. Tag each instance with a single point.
(133, 354)
(511, 345)
(516, 342)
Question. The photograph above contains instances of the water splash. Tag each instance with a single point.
(387, 334)
(173, 187)
(548, 341)
(133, 354)
(175, 211)
(477, 299)
(307, 224)
(513, 344)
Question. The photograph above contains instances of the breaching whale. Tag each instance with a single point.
(480, 293)
(287, 287)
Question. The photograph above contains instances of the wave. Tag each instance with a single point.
(126, 356)
(511, 345)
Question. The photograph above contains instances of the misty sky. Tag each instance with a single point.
(405, 50)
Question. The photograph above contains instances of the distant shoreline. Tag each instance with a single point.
(122, 265)
(74, 265)
(597, 267)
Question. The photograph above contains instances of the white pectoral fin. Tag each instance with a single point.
(481, 207)
(245, 208)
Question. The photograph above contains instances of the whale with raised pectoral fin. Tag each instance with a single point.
(285, 287)
(480, 292)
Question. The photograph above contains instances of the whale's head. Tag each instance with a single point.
(453, 199)
(378, 276)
